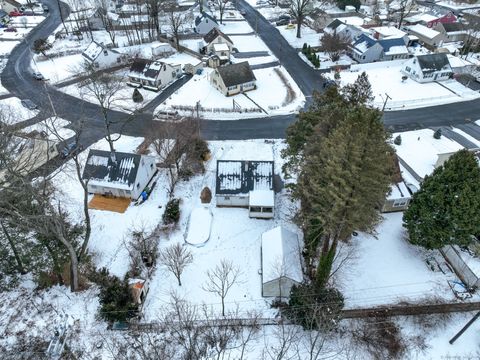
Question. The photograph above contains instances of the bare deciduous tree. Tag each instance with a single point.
(220, 5)
(176, 21)
(300, 9)
(334, 45)
(176, 258)
(221, 279)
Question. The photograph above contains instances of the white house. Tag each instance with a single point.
(338, 27)
(281, 262)
(101, 57)
(152, 75)
(118, 174)
(429, 37)
(366, 49)
(453, 31)
(247, 184)
(204, 23)
(217, 43)
(233, 79)
(428, 68)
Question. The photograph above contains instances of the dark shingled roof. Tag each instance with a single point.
(212, 35)
(236, 74)
(451, 27)
(139, 65)
(241, 177)
(99, 166)
(334, 24)
(433, 62)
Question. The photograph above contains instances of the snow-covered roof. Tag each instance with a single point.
(388, 31)
(281, 255)
(93, 50)
(241, 177)
(423, 31)
(399, 191)
(262, 198)
(220, 47)
(423, 17)
(456, 62)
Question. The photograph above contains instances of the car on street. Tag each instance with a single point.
(70, 148)
(282, 22)
(10, 29)
(38, 76)
(45, 8)
(243, 12)
(29, 104)
(15, 13)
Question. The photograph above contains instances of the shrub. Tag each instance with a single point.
(304, 48)
(115, 300)
(398, 140)
(437, 134)
(309, 50)
(172, 212)
(337, 75)
(206, 195)
(200, 149)
(137, 96)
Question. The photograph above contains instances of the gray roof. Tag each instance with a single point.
(433, 62)
(3, 13)
(334, 24)
(236, 74)
(452, 27)
(213, 34)
(206, 16)
(241, 176)
(100, 166)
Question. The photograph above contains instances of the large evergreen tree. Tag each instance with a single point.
(446, 210)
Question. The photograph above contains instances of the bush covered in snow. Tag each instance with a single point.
(172, 212)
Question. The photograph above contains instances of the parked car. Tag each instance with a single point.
(282, 22)
(15, 13)
(10, 29)
(243, 12)
(284, 17)
(29, 104)
(70, 148)
(38, 76)
(45, 8)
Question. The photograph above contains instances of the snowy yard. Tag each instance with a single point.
(58, 69)
(6, 47)
(309, 36)
(271, 95)
(235, 27)
(386, 78)
(14, 112)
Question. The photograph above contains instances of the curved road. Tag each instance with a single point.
(17, 78)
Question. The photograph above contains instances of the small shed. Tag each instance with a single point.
(281, 262)
(261, 204)
(398, 199)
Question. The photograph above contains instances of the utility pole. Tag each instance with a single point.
(385, 102)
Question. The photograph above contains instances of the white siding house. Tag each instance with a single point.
(428, 68)
(98, 56)
(152, 75)
(119, 174)
(246, 184)
(233, 79)
(281, 262)
(204, 23)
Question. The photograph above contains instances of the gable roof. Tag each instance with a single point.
(363, 43)
(147, 69)
(423, 31)
(213, 34)
(204, 16)
(240, 176)
(453, 27)
(281, 255)
(334, 24)
(236, 74)
(433, 62)
(121, 173)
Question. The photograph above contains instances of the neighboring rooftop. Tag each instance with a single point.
(424, 31)
(433, 62)
(240, 177)
(236, 74)
(213, 34)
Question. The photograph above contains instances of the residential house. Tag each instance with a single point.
(101, 57)
(429, 37)
(318, 19)
(152, 75)
(366, 49)
(431, 19)
(10, 5)
(204, 23)
(217, 43)
(247, 184)
(162, 50)
(349, 32)
(461, 66)
(281, 262)
(389, 32)
(99, 18)
(233, 79)
(452, 31)
(118, 174)
(428, 68)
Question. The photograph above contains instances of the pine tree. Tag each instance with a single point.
(360, 91)
(446, 210)
(137, 96)
(398, 140)
(437, 134)
(343, 180)
(304, 48)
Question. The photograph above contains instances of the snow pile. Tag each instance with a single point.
(199, 226)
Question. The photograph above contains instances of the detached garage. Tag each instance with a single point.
(281, 262)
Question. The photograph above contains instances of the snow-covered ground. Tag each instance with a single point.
(235, 27)
(386, 78)
(309, 36)
(271, 95)
(420, 150)
(6, 47)
(14, 112)
(326, 63)
(58, 69)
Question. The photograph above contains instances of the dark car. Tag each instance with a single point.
(45, 8)
(70, 148)
(29, 104)
(243, 12)
(284, 17)
(10, 29)
(282, 22)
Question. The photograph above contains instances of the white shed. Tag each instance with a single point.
(281, 262)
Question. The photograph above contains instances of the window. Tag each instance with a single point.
(105, 52)
(138, 185)
(226, 198)
(232, 87)
(399, 203)
(151, 166)
(173, 74)
(363, 57)
(255, 209)
(267, 210)
(407, 69)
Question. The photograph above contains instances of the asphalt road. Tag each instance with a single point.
(17, 78)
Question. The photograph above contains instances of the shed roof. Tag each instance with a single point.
(281, 255)
(240, 177)
(120, 173)
(236, 74)
(262, 198)
(93, 50)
